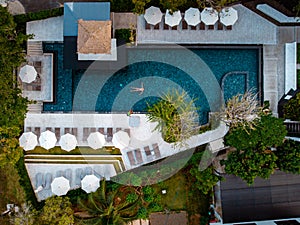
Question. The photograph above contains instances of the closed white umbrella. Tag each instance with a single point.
(153, 15)
(27, 74)
(68, 142)
(96, 140)
(90, 183)
(121, 139)
(228, 16)
(60, 186)
(47, 139)
(172, 19)
(192, 16)
(209, 16)
(28, 141)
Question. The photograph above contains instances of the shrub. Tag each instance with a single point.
(123, 34)
(131, 197)
(142, 213)
(292, 109)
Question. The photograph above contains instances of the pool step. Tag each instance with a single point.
(34, 48)
(35, 108)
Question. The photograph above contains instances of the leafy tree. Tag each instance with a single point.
(249, 164)
(131, 197)
(216, 4)
(206, 179)
(292, 109)
(139, 6)
(142, 213)
(289, 156)
(172, 5)
(57, 210)
(269, 132)
(107, 207)
(10, 152)
(176, 117)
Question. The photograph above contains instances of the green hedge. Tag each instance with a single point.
(23, 18)
(123, 34)
(298, 77)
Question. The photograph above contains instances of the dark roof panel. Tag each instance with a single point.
(274, 198)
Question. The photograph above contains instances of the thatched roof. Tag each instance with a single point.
(94, 37)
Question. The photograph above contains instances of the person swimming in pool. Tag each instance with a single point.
(136, 89)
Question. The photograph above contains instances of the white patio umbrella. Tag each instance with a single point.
(121, 139)
(27, 74)
(60, 186)
(174, 19)
(153, 15)
(228, 16)
(192, 16)
(28, 141)
(209, 16)
(47, 139)
(68, 142)
(90, 183)
(96, 140)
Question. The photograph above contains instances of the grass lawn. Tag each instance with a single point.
(10, 190)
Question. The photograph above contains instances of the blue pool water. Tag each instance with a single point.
(104, 91)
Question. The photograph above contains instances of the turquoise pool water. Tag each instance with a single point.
(111, 91)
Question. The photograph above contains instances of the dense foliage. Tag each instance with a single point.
(176, 117)
(13, 106)
(57, 211)
(289, 157)
(139, 6)
(268, 132)
(253, 157)
(123, 34)
(172, 5)
(292, 109)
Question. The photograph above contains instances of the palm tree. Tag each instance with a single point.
(107, 208)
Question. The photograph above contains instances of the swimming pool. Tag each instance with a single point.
(234, 69)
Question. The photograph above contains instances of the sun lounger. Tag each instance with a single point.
(60, 173)
(220, 26)
(156, 27)
(74, 132)
(193, 28)
(147, 150)
(39, 179)
(109, 134)
(49, 128)
(131, 158)
(202, 26)
(166, 27)
(147, 25)
(37, 131)
(48, 181)
(138, 156)
(211, 27)
(88, 171)
(118, 129)
(28, 129)
(184, 25)
(68, 174)
(67, 130)
(174, 28)
(57, 132)
(78, 176)
(156, 150)
(93, 130)
(86, 132)
(229, 28)
(101, 130)
(127, 131)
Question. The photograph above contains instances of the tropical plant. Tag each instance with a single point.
(249, 164)
(292, 109)
(108, 207)
(25, 216)
(176, 117)
(241, 111)
(139, 6)
(57, 211)
(289, 156)
(216, 4)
